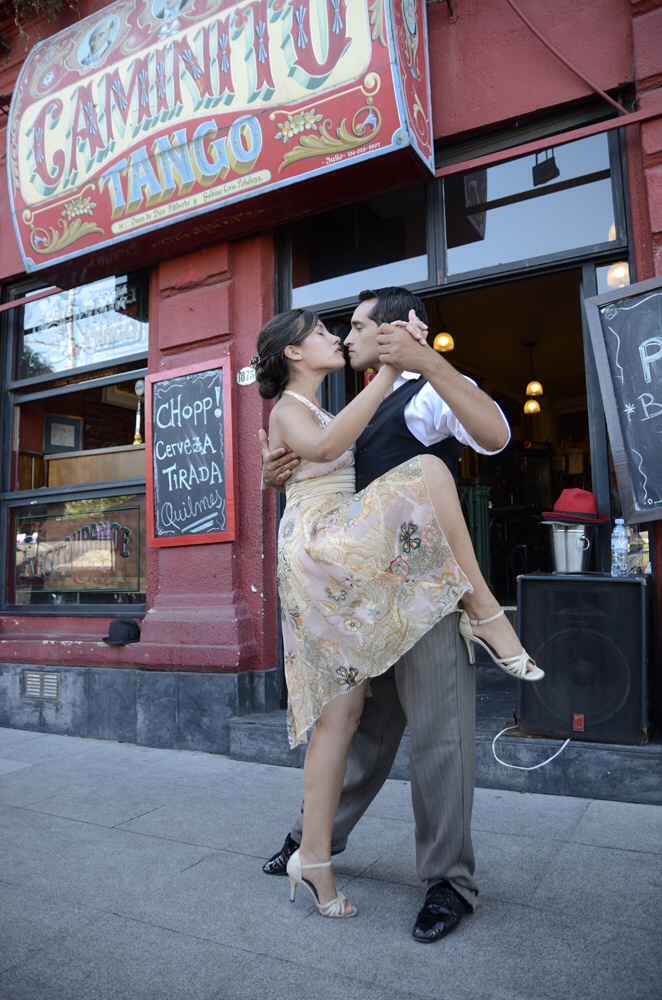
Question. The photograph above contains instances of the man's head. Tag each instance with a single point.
(377, 306)
(100, 35)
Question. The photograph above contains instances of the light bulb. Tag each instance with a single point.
(532, 406)
(443, 342)
(534, 388)
(618, 275)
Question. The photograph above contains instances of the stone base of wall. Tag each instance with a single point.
(183, 711)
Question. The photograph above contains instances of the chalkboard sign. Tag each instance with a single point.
(626, 332)
(190, 469)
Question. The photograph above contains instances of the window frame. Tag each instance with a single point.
(438, 278)
(15, 394)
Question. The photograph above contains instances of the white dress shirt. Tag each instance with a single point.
(431, 420)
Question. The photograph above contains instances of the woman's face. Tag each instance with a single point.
(322, 351)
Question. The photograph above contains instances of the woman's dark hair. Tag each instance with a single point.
(272, 371)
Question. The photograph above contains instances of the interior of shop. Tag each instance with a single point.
(521, 342)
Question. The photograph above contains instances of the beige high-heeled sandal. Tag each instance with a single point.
(338, 907)
(516, 666)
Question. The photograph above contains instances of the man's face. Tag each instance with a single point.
(98, 37)
(361, 341)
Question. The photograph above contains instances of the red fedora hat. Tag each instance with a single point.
(576, 505)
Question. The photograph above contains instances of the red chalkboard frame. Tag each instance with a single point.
(229, 535)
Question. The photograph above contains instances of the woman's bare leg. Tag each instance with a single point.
(482, 603)
(323, 776)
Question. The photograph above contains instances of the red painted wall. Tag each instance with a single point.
(487, 67)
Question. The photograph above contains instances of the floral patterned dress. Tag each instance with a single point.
(361, 577)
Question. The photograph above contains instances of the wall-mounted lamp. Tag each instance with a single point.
(443, 342)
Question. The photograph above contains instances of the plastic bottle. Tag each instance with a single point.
(619, 548)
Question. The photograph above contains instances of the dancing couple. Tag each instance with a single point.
(367, 582)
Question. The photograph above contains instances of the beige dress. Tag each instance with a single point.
(361, 577)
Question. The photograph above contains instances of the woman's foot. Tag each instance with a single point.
(322, 879)
(498, 637)
(318, 878)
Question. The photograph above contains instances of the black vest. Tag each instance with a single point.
(387, 441)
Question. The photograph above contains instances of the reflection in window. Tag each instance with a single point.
(613, 276)
(381, 241)
(79, 437)
(84, 326)
(84, 551)
(510, 212)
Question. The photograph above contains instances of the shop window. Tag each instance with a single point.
(82, 328)
(74, 482)
(79, 552)
(381, 241)
(532, 207)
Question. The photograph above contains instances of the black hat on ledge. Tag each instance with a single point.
(122, 631)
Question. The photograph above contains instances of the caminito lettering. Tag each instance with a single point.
(120, 104)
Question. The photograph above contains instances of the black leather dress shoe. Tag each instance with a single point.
(440, 914)
(277, 863)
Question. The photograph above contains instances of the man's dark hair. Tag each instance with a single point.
(393, 303)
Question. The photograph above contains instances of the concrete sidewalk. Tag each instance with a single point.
(130, 873)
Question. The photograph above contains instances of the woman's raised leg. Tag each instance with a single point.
(481, 604)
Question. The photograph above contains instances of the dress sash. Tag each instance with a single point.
(343, 482)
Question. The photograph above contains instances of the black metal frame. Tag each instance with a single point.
(16, 394)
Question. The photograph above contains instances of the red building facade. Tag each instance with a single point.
(512, 85)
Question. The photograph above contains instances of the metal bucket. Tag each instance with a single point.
(571, 544)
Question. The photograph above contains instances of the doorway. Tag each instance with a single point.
(505, 336)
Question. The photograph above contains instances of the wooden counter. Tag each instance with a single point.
(71, 468)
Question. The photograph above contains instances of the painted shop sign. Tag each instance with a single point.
(152, 111)
(190, 464)
(92, 550)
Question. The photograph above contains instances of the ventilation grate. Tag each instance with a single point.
(40, 684)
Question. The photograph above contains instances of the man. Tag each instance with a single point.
(432, 687)
(100, 41)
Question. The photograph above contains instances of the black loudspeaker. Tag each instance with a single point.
(589, 634)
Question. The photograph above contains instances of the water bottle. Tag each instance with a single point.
(619, 548)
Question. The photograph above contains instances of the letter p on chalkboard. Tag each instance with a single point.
(626, 334)
(190, 461)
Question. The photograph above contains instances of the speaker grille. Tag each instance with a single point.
(589, 636)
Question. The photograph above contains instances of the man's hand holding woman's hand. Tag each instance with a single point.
(277, 465)
(403, 344)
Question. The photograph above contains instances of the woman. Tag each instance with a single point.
(361, 577)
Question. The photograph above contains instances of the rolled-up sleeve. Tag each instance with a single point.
(430, 420)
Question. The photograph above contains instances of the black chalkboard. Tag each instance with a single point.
(190, 469)
(626, 333)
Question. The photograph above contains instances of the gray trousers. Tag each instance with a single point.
(432, 690)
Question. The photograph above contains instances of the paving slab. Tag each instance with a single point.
(134, 873)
